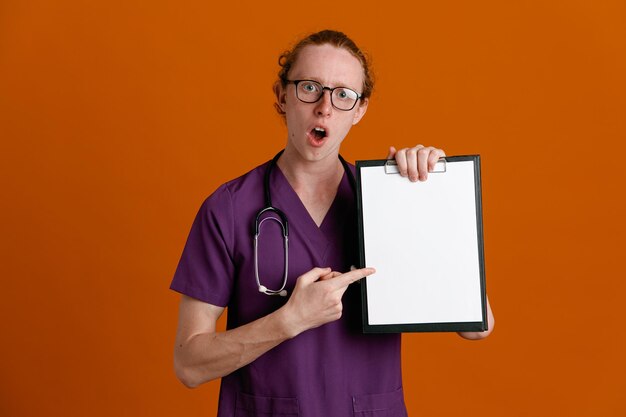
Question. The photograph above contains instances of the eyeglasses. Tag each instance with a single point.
(309, 91)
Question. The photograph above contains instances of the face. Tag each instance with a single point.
(317, 129)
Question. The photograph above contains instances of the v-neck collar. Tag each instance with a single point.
(318, 239)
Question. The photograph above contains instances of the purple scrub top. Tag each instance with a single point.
(332, 370)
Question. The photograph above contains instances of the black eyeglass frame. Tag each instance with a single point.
(296, 82)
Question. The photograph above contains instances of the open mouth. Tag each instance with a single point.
(318, 133)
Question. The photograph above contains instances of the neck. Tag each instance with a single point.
(304, 174)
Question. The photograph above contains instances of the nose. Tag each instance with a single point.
(324, 106)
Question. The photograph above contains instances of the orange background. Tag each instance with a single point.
(118, 118)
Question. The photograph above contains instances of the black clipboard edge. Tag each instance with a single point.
(425, 327)
(481, 240)
(361, 234)
(469, 326)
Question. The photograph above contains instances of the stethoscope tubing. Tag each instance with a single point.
(284, 223)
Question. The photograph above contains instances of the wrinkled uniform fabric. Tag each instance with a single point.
(332, 370)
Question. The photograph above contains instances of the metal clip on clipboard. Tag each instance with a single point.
(391, 167)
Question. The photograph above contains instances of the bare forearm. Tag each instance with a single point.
(206, 356)
(202, 354)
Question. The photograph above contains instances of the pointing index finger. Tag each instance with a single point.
(343, 280)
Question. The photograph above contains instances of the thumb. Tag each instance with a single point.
(313, 275)
(330, 275)
(392, 152)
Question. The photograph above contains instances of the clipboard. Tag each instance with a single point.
(425, 240)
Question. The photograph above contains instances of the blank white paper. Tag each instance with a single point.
(422, 239)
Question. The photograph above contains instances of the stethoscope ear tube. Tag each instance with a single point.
(284, 223)
(262, 288)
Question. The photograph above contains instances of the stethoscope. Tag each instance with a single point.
(284, 224)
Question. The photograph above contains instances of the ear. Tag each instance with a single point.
(360, 111)
(281, 95)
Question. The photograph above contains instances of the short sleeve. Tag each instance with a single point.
(206, 270)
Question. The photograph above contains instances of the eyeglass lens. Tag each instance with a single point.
(341, 97)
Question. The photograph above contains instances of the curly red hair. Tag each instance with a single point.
(331, 37)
